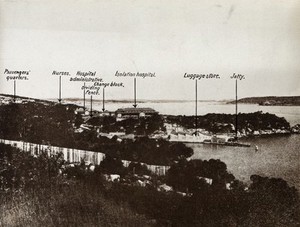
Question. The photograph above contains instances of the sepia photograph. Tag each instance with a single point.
(177, 113)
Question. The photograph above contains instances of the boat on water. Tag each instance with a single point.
(188, 138)
(233, 144)
(198, 137)
(231, 141)
(237, 144)
(220, 140)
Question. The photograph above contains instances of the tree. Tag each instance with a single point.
(190, 175)
(272, 202)
(112, 165)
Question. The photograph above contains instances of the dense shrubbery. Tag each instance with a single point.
(267, 201)
(273, 203)
(210, 206)
(112, 165)
(39, 123)
(138, 168)
(220, 122)
(157, 152)
(184, 176)
(20, 170)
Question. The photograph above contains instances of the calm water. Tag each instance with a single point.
(278, 156)
(291, 113)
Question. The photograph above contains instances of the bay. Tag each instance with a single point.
(278, 156)
(290, 113)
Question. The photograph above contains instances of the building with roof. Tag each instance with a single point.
(125, 113)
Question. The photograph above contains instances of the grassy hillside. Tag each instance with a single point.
(78, 205)
(34, 193)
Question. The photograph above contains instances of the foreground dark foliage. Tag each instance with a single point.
(34, 192)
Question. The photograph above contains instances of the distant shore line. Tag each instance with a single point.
(264, 101)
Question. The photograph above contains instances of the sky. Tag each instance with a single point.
(259, 39)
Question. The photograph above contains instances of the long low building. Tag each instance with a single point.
(124, 113)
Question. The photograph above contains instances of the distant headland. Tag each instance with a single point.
(271, 100)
